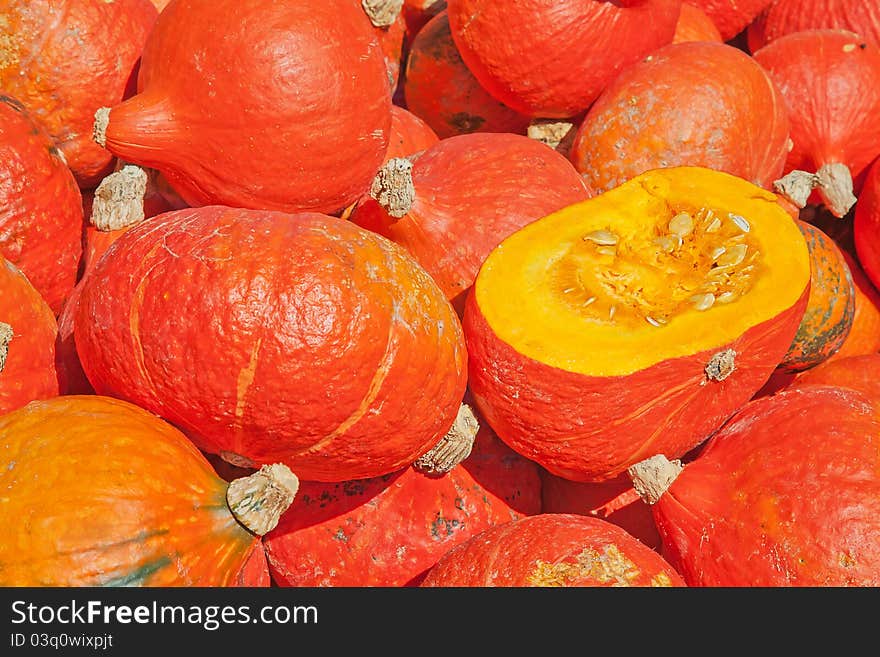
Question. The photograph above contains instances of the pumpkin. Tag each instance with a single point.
(390, 28)
(782, 17)
(694, 24)
(271, 337)
(40, 206)
(416, 13)
(131, 502)
(864, 335)
(566, 51)
(830, 311)
(441, 90)
(866, 225)
(27, 341)
(552, 549)
(855, 372)
(455, 202)
(635, 322)
(787, 493)
(731, 16)
(51, 47)
(290, 110)
(615, 501)
(830, 84)
(389, 530)
(409, 134)
(697, 103)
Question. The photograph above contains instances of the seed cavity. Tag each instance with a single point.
(606, 250)
(733, 256)
(681, 224)
(602, 237)
(703, 301)
(740, 221)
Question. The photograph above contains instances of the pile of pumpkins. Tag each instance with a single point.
(395, 293)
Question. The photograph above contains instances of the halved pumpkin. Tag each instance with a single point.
(635, 322)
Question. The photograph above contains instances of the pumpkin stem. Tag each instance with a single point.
(835, 186)
(99, 130)
(393, 187)
(454, 447)
(258, 500)
(721, 365)
(558, 135)
(382, 13)
(119, 199)
(5, 338)
(796, 186)
(653, 476)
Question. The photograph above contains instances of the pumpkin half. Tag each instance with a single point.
(635, 322)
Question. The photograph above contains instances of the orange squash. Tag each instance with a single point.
(864, 335)
(860, 373)
(131, 502)
(694, 24)
(635, 322)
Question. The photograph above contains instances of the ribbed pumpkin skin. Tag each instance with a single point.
(786, 494)
(830, 311)
(696, 103)
(731, 16)
(52, 47)
(560, 418)
(471, 192)
(866, 225)
(40, 206)
(552, 549)
(574, 47)
(294, 338)
(440, 88)
(290, 110)
(102, 493)
(830, 82)
(389, 530)
(782, 17)
(29, 372)
(695, 25)
(409, 134)
(856, 372)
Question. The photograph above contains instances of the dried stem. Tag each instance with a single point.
(393, 187)
(454, 447)
(258, 500)
(119, 199)
(653, 476)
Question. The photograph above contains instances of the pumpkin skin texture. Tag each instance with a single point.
(367, 340)
(40, 206)
(697, 103)
(575, 47)
(291, 110)
(731, 16)
(578, 374)
(409, 134)
(855, 372)
(695, 25)
(786, 494)
(53, 46)
(830, 311)
(440, 88)
(28, 355)
(866, 225)
(782, 17)
(387, 531)
(864, 335)
(830, 84)
(552, 549)
(132, 502)
(453, 224)
(416, 13)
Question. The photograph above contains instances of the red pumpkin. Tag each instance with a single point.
(787, 493)
(694, 24)
(466, 194)
(829, 81)
(409, 134)
(698, 103)
(52, 47)
(387, 531)
(416, 13)
(864, 335)
(441, 90)
(566, 51)
(94, 476)
(345, 361)
(866, 225)
(731, 16)
(860, 373)
(40, 206)
(783, 17)
(290, 109)
(552, 549)
(390, 28)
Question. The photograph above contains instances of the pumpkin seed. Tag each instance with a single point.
(654, 321)
(589, 301)
(733, 256)
(602, 237)
(568, 290)
(703, 301)
(611, 311)
(740, 222)
(606, 250)
(726, 297)
(717, 252)
(665, 243)
(681, 224)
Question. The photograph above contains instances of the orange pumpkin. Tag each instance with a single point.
(860, 373)
(694, 24)
(864, 336)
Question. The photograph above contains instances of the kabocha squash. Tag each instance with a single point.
(98, 492)
(390, 28)
(270, 337)
(455, 202)
(782, 17)
(440, 88)
(829, 81)
(694, 24)
(787, 493)
(63, 59)
(389, 530)
(40, 206)
(635, 322)
(860, 373)
(866, 225)
(409, 134)
(552, 549)
(290, 109)
(27, 341)
(830, 310)
(697, 103)
(552, 58)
